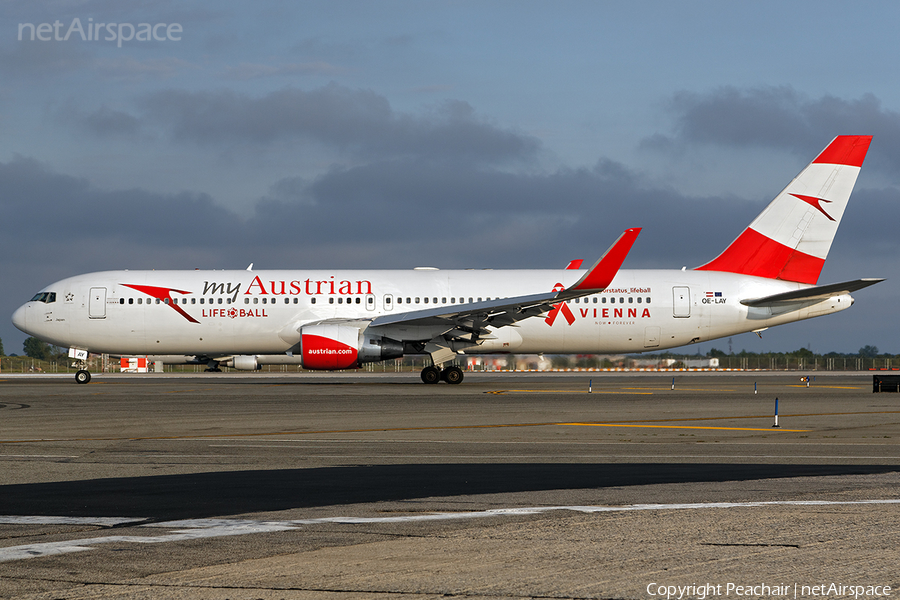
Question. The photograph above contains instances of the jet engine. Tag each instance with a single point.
(244, 363)
(334, 346)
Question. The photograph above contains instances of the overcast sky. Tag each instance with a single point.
(456, 134)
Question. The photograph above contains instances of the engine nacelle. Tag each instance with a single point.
(244, 363)
(331, 347)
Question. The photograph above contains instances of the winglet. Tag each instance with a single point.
(604, 270)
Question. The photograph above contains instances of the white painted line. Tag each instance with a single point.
(99, 521)
(193, 529)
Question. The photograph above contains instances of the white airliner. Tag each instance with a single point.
(332, 320)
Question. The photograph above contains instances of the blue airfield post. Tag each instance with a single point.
(776, 413)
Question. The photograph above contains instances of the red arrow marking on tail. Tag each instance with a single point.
(814, 202)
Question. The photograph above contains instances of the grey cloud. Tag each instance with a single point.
(358, 122)
(28, 59)
(464, 216)
(106, 121)
(39, 204)
(779, 117)
(247, 71)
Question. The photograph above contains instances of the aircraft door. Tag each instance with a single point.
(681, 301)
(370, 301)
(388, 302)
(97, 303)
(651, 337)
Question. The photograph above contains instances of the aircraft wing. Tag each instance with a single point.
(474, 317)
(819, 292)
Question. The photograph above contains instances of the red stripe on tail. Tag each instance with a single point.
(847, 150)
(755, 254)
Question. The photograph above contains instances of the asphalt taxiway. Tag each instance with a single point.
(580, 485)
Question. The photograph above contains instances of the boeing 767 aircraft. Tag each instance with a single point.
(333, 320)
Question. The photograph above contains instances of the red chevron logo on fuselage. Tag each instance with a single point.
(163, 295)
(814, 202)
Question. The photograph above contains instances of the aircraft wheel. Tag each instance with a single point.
(431, 375)
(82, 376)
(452, 375)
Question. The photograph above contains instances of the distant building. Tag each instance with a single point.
(701, 363)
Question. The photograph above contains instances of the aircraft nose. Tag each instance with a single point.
(20, 318)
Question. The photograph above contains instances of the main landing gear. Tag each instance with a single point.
(452, 375)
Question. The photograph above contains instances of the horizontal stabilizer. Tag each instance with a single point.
(819, 292)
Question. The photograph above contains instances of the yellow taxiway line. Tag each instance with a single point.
(682, 427)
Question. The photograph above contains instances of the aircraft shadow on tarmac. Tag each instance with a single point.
(168, 497)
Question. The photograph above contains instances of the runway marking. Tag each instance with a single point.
(501, 392)
(827, 387)
(195, 529)
(2, 456)
(98, 521)
(632, 423)
(685, 427)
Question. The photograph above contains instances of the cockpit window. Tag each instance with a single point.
(45, 297)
